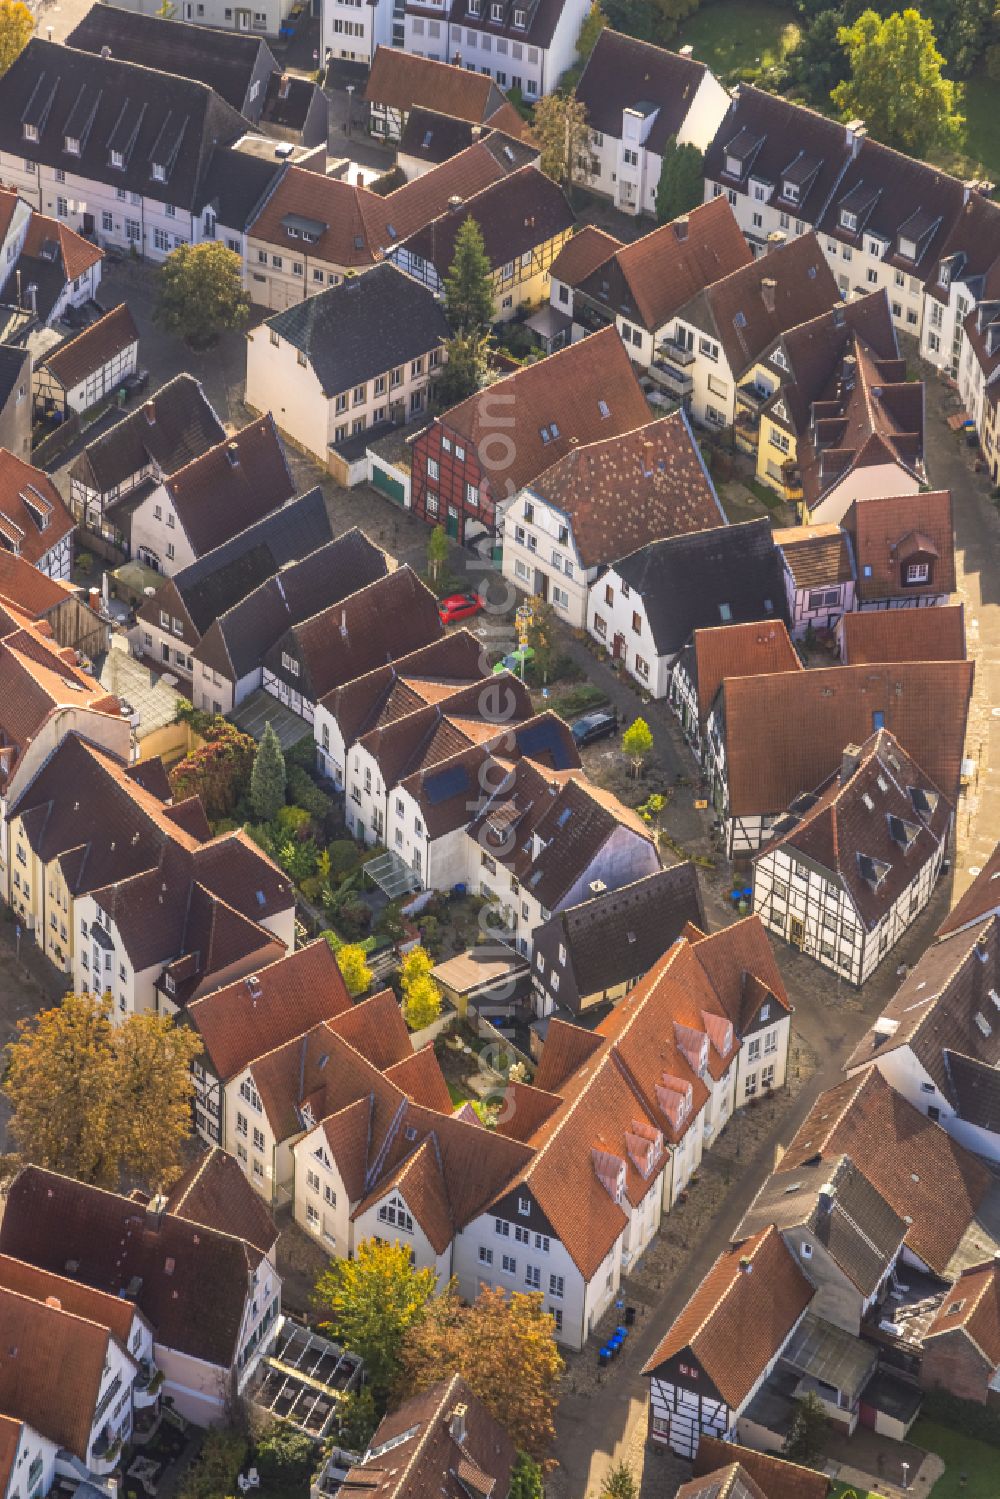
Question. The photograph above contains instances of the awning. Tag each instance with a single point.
(393, 876)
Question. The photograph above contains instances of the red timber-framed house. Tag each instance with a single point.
(477, 456)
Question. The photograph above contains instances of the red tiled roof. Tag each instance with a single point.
(92, 349)
(973, 1305)
(746, 650)
(886, 531)
(29, 501)
(741, 1315)
(885, 635)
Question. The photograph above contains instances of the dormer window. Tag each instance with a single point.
(848, 220)
(72, 145)
(30, 132)
(524, 1206)
(496, 11)
(159, 172)
(907, 248)
(944, 277)
(473, 7)
(117, 159)
(733, 166)
(791, 192)
(521, 18)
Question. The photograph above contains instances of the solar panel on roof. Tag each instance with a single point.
(448, 783)
(545, 737)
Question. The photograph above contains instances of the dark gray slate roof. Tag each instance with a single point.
(224, 60)
(620, 935)
(685, 580)
(623, 73)
(237, 184)
(152, 118)
(365, 326)
(240, 638)
(184, 426)
(224, 576)
(12, 366)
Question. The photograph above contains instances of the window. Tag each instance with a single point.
(312, 1216)
(521, 1235)
(750, 1086)
(329, 1196)
(502, 1227)
(557, 1285)
(258, 1138)
(133, 231)
(524, 1206)
(508, 1264)
(62, 208)
(242, 1125)
(289, 664)
(542, 1243)
(642, 668)
(107, 222)
(312, 1181)
(161, 240)
(917, 572)
(708, 348)
(637, 624)
(533, 1277)
(485, 1255)
(433, 472)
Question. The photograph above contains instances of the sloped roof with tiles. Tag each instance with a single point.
(745, 650)
(50, 1349)
(750, 308)
(623, 492)
(254, 1015)
(769, 760)
(214, 1191)
(814, 352)
(619, 934)
(816, 556)
(946, 1013)
(730, 1482)
(423, 675)
(444, 1444)
(930, 1180)
(776, 1477)
(402, 82)
(878, 822)
(232, 485)
(193, 1281)
(422, 1080)
(972, 1306)
(582, 253)
(175, 425)
(71, 362)
(885, 531)
(652, 278)
(737, 1322)
(515, 215)
(977, 902)
(876, 635)
(25, 588)
(587, 391)
(623, 73)
(111, 1312)
(33, 515)
(696, 580)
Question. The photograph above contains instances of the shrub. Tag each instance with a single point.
(344, 856)
(981, 1422)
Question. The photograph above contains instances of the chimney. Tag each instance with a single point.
(850, 760)
(686, 51)
(681, 228)
(150, 410)
(343, 623)
(155, 1209)
(597, 887)
(284, 86)
(768, 289)
(848, 372)
(233, 454)
(105, 51)
(775, 240)
(456, 1424)
(746, 1265)
(33, 297)
(647, 459)
(825, 1197)
(54, 1303)
(454, 203)
(855, 132)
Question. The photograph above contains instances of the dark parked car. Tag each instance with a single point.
(600, 724)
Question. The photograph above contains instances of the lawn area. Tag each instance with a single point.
(961, 1454)
(981, 144)
(731, 34)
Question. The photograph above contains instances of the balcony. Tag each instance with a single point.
(105, 1453)
(671, 379)
(791, 481)
(675, 353)
(148, 1384)
(751, 397)
(746, 432)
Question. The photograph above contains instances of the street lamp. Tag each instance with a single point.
(350, 101)
(906, 1473)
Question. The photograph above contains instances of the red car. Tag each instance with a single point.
(459, 606)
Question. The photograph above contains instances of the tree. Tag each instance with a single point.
(356, 1419)
(438, 552)
(214, 1471)
(526, 1479)
(201, 292)
(267, 779)
(591, 29)
(895, 83)
(804, 1441)
(16, 25)
(285, 1458)
(468, 286)
(637, 741)
(464, 371)
(681, 184)
(97, 1101)
(217, 771)
(818, 63)
(542, 636)
(422, 1003)
(648, 20)
(354, 968)
(563, 136)
(373, 1302)
(619, 1483)
(484, 1343)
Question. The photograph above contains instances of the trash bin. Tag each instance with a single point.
(604, 1357)
(630, 1316)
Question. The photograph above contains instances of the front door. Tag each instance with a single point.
(242, 20)
(541, 583)
(796, 931)
(618, 648)
(452, 523)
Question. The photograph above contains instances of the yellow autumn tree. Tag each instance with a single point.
(372, 1302)
(16, 26)
(421, 994)
(108, 1104)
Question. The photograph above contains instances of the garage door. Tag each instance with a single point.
(392, 488)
